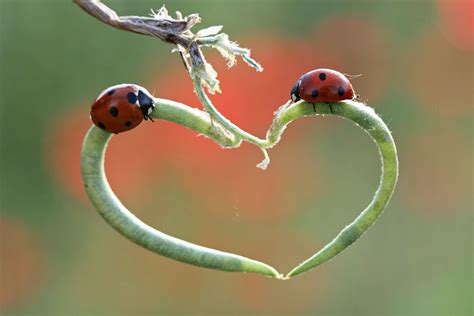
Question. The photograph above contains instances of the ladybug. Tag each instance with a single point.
(122, 107)
(322, 85)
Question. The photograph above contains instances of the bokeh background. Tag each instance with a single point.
(58, 257)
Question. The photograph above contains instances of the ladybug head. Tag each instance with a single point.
(147, 105)
(295, 92)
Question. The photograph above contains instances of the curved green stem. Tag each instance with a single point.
(195, 119)
(369, 121)
(127, 224)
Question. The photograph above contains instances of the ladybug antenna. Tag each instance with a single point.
(350, 77)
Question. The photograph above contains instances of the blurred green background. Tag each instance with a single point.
(58, 257)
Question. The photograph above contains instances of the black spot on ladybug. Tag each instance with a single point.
(132, 98)
(111, 92)
(322, 76)
(113, 111)
(101, 125)
(314, 93)
(128, 123)
(340, 91)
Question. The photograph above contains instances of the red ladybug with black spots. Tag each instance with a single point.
(122, 107)
(322, 85)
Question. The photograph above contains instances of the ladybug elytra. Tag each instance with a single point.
(322, 85)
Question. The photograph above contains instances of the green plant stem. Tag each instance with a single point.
(127, 224)
(369, 121)
(194, 119)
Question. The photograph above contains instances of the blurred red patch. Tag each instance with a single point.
(458, 21)
(21, 264)
(229, 177)
(135, 160)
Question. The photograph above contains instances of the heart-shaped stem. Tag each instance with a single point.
(127, 224)
(366, 118)
(215, 126)
(121, 219)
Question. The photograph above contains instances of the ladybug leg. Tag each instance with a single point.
(314, 107)
(330, 108)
